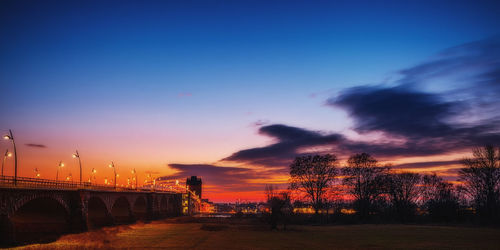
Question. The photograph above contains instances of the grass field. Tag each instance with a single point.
(173, 235)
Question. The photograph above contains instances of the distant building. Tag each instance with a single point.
(194, 184)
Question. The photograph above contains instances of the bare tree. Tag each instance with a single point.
(439, 198)
(481, 180)
(280, 206)
(404, 191)
(365, 180)
(313, 175)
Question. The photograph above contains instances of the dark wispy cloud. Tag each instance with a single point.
(34, 145)
(426, 164)
(432, 123)
(234, 178)
(289, 141)
(427, 118)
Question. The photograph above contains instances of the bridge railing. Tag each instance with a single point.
(27, 182)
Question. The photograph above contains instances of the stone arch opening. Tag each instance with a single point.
(42, 219)
(140, 209)
(121, 211)
(97, 214)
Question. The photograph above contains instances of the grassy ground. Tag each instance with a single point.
(173, 235)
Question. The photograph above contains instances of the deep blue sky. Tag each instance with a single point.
(191, 77)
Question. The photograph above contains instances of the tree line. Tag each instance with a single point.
(371, 191)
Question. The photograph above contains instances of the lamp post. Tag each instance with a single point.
(61, 164)
(7, 154)
(11, 138)
(135, 173)
(112, 165)
(77, 155)
(152, 180)
(37, 175)
(93, 174)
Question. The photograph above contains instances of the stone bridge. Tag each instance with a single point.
(36, 214)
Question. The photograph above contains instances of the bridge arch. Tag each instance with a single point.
(42, 218)
(121, 211)
(98, 214)
(28, 198)
(140, 209)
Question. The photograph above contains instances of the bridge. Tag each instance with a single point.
(33, 209)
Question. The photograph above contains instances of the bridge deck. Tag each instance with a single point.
(37, 183)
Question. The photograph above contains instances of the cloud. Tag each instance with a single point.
(426, 164)
(226, 178)
(445, 104)
(289, 141)
(398, 110)
(35, 145)
(433, 122)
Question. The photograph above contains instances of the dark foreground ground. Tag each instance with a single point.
(226, 234)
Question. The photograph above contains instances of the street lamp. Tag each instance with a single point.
(135, 173)
(93, 173)
(11, 138)
(152, 180)
(112, 165)
(7, 154)
(77, 155)
(37, 175)
(61, 164)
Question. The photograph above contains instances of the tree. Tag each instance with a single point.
(313, 175)
(404, 191)
(481, 180)
(439, 198)
(365, 180)
(280, 206)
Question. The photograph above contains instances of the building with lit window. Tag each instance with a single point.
(194, 184)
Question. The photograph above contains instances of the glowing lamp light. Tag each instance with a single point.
(7, 137)
(74, 155)
(9, 154)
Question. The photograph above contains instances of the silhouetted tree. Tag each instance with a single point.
(404, 191)
(439, 198)
(313, 175)
(280, 206)
(481, 180)
(365, 181)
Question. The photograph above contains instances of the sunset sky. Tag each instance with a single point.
(232, 91)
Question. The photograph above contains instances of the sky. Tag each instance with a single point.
(232, 91)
